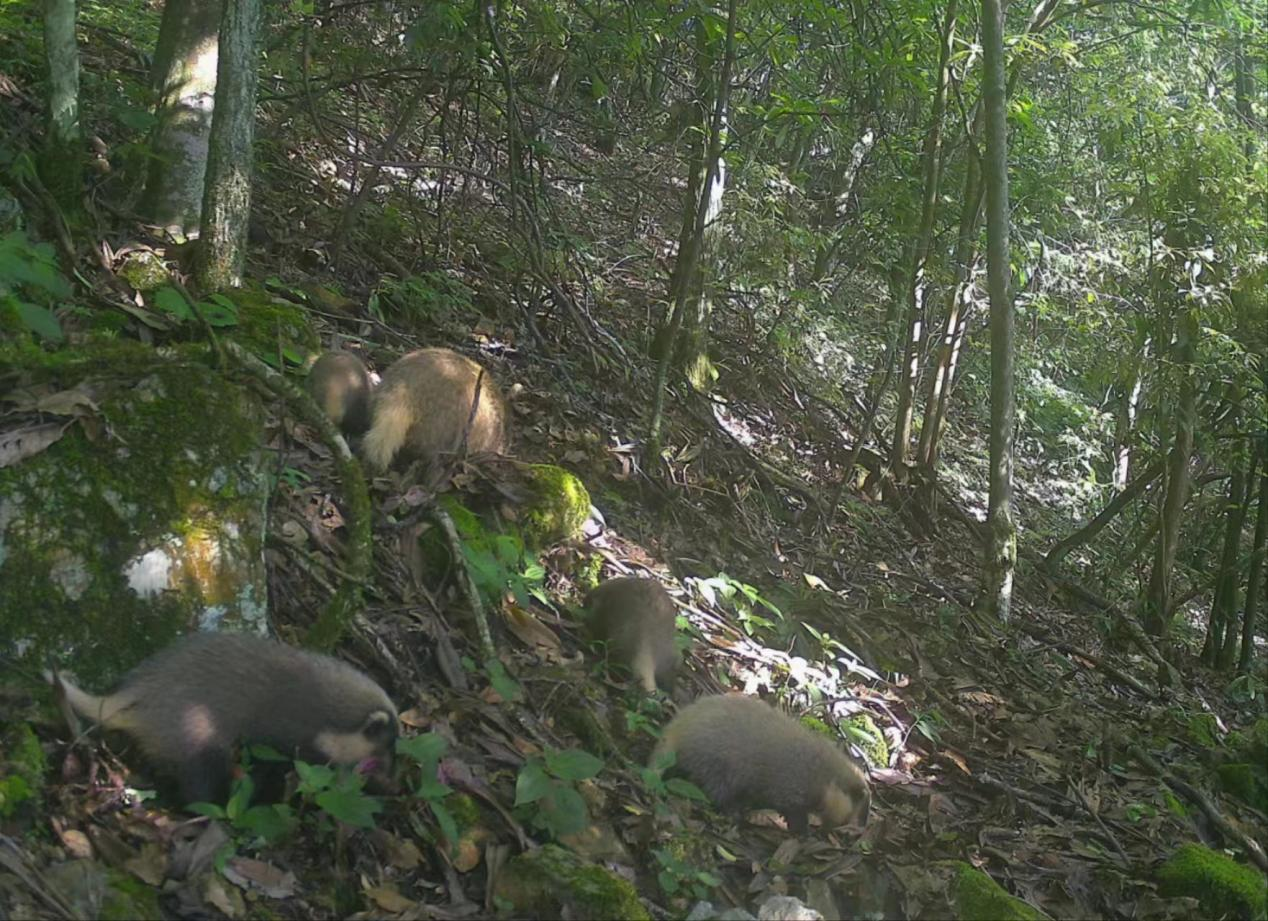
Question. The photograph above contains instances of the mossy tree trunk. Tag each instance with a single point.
(1002, 554)
(1228, 576)
(61, 167)
(1156, 619)
(184, 80)
(685, 266)
(227, 194)
(1255, 578)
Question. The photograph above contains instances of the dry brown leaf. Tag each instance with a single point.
(531, 632)
(404, 855)
(248, 873)
(27, 442)
(225, 898)
(149, 866)
(388, 899)
(75, 842)
(415, 718)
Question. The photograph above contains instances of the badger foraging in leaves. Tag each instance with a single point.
(340, 384)
(745, 754)
(420, 410)
(189, 704)
(635, 618)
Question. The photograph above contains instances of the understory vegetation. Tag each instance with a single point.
(944, 423)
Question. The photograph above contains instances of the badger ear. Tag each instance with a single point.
(379, 725)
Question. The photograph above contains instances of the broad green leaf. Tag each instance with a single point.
(573, 764)
(686, 789)
(314, 777)
(425, 748)
(531, 785)
(169, 300)
(41, 321)
(355, 809)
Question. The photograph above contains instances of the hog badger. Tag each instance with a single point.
(420, 409)
(340, 384)
(635, 618)
(188, 705)
(745, 754)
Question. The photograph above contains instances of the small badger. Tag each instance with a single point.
(636, 617)
(340, 384)
(188, 705)
(745, 754)
(420, 410)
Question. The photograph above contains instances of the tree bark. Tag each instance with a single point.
(1227, 579)
(684, 266)
(227, 199)
(1157, 601)
(1105, 516)
(61, 166)
(184, 79)
(1003, 529)
(917, 290)
(1255, 578)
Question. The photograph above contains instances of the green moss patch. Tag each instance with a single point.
(550, 882)
(559, 507)
(1222, 886)
(977, 896)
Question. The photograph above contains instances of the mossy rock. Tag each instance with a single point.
(1222, 886)
(144, 271)
(977, 896)
(863, 732)
(551, 882)
(1247, 782)
(1251, 744)
(22, 769)
(1204, 731)
(558, 508)
(143, 520)
(267, 323)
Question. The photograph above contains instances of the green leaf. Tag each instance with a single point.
(425, 749)
(41, 321)
(218, 314)
(573, 764)
(272, 823)
(504, 684)
(445, 819)
(171, 301)
(314, 777)
(240, 797)
(564, 811)
(532, 784)
(211, 810)
(260, 752)
(686, 789)
(355, 809)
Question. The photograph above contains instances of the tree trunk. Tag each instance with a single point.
(1003, 530)
(957, 308)
(917, 290)
(227, 200)
(184, 79)
(685, 265)
(1127, 399)
(1158, 597)
(61, 166)
(1227, 578)
(1227, 653)
(1105, 516)
(1255, 578)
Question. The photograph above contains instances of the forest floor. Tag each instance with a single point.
(1014, 748)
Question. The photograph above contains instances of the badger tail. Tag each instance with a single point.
(393, 417)
(76, 702)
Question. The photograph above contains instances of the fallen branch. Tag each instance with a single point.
(1194, 795)
(466, 583)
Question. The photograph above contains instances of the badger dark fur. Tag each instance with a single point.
(340, 384)
(635, 618)
(420, 410)
(188, 705)
(745, 754)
